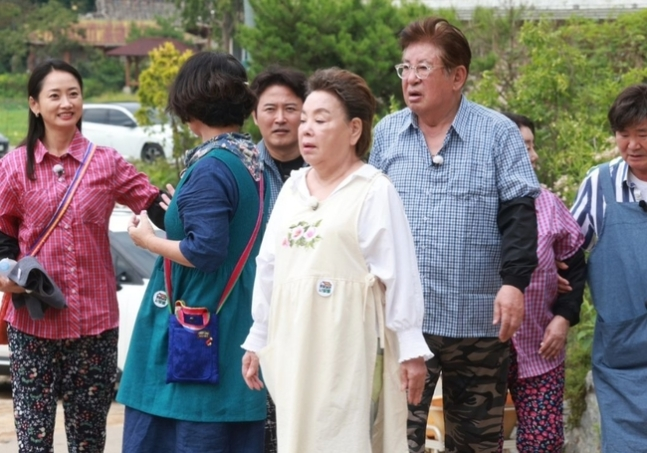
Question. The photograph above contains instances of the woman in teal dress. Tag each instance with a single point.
(211, 219)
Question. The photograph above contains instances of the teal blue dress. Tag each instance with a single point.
(143, 385)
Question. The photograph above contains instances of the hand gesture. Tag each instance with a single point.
(508, 311)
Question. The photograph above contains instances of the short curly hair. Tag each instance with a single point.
(211, 87)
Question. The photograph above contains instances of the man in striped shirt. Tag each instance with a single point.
(611, 210)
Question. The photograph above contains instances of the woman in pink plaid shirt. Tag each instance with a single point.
(536, 373)
(68, 354)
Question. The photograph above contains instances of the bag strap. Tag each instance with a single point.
(239, 265)
(66, 201)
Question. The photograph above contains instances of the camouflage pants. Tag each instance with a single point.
(474, 389)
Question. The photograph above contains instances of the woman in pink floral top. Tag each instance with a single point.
(536, 373)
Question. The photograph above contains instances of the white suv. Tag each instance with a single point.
(115, 125)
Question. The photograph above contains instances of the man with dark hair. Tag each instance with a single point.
(280, 92)
(612, 212)
(468, 188)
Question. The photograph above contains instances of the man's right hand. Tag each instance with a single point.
(508, 311)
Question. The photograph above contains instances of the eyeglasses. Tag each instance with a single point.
(421, 71)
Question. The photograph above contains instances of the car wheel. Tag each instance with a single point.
(151, 152)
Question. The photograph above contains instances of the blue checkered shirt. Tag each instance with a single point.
(452, 209)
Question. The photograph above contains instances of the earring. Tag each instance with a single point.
(37, 114)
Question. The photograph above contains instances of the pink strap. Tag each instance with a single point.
(241, 261)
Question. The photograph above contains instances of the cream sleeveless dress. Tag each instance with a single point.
(334, 392)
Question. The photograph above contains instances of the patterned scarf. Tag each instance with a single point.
(238, 143)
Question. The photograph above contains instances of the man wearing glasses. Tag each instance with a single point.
(468, 188)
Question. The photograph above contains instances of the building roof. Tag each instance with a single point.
(142, 47)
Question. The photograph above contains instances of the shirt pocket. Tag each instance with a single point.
(469, 178)
(94, 205)
(38, 207)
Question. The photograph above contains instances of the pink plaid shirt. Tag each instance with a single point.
(77, 254)
(559, 238)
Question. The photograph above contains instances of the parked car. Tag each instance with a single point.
(133, 267)
(4, 145)
(115, 125)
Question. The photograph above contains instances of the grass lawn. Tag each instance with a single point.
(13, 120)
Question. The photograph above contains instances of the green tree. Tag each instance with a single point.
(357, 35)
(78, 6)
(52, 23)
(13, 50)
(566, 78)
(100, 73)
(154, 84)
(164, 28)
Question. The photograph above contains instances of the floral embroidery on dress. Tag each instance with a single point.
(302, 234)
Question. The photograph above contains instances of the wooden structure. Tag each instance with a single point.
(136, 51)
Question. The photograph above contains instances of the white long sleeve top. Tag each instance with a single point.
(387, 245)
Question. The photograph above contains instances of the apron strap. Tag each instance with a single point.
(604, 180)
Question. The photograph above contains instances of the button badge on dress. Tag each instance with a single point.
(325, 288)
(160, 299)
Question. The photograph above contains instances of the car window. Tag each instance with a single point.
(95, 116)
(119, 118)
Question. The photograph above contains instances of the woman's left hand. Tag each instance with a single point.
(140, 229)
(554, 340)
(413, 373)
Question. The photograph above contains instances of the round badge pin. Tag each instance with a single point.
(325, 288)
(160, 299)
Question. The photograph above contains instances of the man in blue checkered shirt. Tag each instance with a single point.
(468, 187)
(280, 92)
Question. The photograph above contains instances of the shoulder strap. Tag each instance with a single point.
(241, 261)
(66, 201)
(604, 180)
